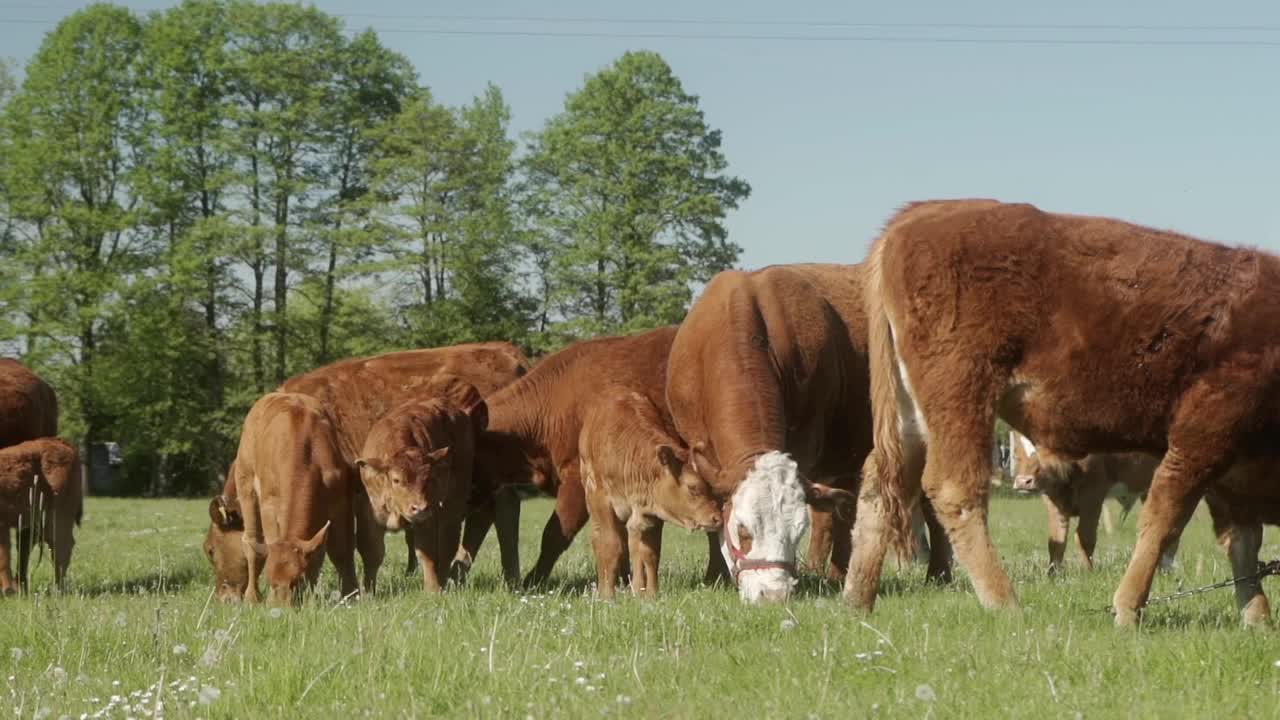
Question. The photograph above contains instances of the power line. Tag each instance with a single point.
(825, 38)
(600, 20)
(925, 40)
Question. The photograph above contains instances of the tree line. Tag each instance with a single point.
(200, 202)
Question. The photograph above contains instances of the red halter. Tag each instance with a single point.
(742, 563)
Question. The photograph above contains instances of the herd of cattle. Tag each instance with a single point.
(793, 398)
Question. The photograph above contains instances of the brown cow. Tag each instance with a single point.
(636, 475)
(534, 432)
(223, 542)
(1085, 334)
(768, 383)
(416, 466)
(28, 410)
(295, 488)
(1078, 488)
(41, 492)
(359, 391)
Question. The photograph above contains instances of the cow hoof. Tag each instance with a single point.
(1257, 614)
(1127, 617)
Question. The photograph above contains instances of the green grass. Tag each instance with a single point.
(140, 615)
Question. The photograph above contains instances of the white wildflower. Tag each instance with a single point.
(179, 649)
(209, 694)
(276, 613)
(787, 624)
(925, 693)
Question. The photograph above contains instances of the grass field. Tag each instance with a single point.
(140, 627)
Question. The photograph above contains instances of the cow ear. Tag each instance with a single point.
(225, 513)
(316, 540)
(479, 414)
(698, 458)
(438, 455)
(825, 497)
(670, 459)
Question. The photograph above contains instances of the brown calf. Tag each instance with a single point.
(28, 410)
(637, 477)
(416, 467)
(1078, 488)
(295, 489)
(1085, 334)
(40, 492)
(224, 542)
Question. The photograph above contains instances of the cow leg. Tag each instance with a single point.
(1059, 529)
(450, 543)
(1176, 488)
(60, 537)
(841, 546)
(371, 542)
(478, 521)
(7, 585)
(411, 564)
(958, 486)
(821, 524)
(252, 534)
(562, 527)
(1090, 505)
(426, 544)
(717, 568)
(871, 532)
(507, 525)
(608, 535)
(940, 553)
(25, 538)
(1245, 542)
(645, 539)
(340, 547)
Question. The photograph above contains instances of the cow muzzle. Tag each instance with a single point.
(1025, 483)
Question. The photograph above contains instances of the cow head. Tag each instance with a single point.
(407, 485)
(764, 520)
(681, 495)
(291, 564)
(1038, 471)
(222, 545)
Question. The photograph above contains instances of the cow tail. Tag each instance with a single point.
(885, 469)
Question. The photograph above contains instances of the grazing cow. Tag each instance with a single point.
(1078, 488)
(1086, 335)
(359, 391)
(637, 477)
(295, 488)
(416, 467)
(223, 543)
(534, 430)
(41, 492)
(28, 410)
(768, 384)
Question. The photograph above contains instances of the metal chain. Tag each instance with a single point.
(1264, 570)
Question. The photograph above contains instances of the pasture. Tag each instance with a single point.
(139, 637)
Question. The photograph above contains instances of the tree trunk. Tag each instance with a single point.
(327, 308)
(259, 272)
(281, 285)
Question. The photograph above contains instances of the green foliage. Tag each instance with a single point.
(139, 612)
(627, 185)
(198, 203)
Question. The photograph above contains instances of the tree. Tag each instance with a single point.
(371, 83)
(443, 178)
(284, 60)
(628, 185)
(72, 130)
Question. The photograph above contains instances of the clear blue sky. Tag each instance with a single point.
(833, 135)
